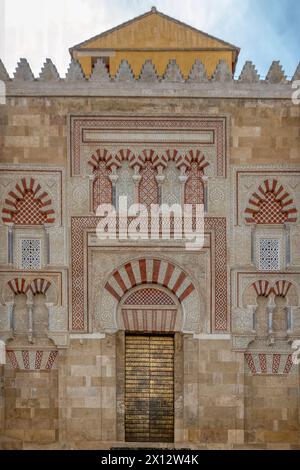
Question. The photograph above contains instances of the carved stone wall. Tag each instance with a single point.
(237, 380)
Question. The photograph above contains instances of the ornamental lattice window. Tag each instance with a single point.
(149, 296)
(30, 254)
(269, 254)
(28, 204)
(194, 186)
(271, 204)
(101, 185)
(148, 186)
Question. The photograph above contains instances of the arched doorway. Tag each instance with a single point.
(149, 316)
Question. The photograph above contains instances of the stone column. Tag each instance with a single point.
(253, 255)
(205, 193)
(114, 178)
(136, 178)
(182, 180)
(30, 322)
(160, 179)
(287, 245)
(47, 244)
(10, 247)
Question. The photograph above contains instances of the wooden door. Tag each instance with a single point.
(149, 388)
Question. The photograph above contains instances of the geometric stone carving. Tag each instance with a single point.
(74, 72)
(148, 186)
(150, 271)
(275, 73)
(269, 254)
(173, 73)
(154, 271)
(100, 73)
(194, 186)
(126, 155)
(101, 186)
(198, 73)
(281, 288)
(28, 205)
(23, 71)
(297, 73)
(32, 359)
(249, 73)
(149, 296)
(79, 124)
(31, 253)
(148, 73)
(194, 157)
(39, 286)
(149, 320)
(18, 286)
(271, 206)
(49, 72)
(102, 156)
(124, 74)
(271, 363)
(222, 72)
(220, 318)
(262, 288)
(3, 73)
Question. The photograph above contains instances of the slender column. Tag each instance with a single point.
(160, 179)
(47, 244)
(136, 178)
(30, 322)
(91, 181)
(205, 191)
(10, 244)
(182, 180)
(11, 316)
(287, 245)
(114, 178)
(253, 231)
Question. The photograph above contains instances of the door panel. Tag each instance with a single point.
(149, 388)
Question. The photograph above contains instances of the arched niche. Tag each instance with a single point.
(150, 308)
(163, 274)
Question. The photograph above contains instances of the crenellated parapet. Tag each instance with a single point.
(148, 82)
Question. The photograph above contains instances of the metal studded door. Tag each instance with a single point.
(149, 388)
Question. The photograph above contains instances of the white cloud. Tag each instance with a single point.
(37, 29)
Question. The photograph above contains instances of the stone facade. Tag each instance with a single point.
(67, 145)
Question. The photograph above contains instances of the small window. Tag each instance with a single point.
(31, 253)
(269, 254)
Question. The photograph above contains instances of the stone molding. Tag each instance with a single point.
(148, 83)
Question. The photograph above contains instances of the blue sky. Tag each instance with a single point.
(265, 30)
